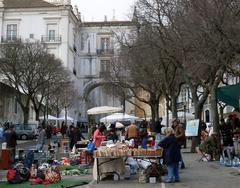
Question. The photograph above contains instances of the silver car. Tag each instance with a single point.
(25, 132)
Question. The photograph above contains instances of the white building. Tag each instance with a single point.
(98, 47)
(84, 48)
(52, 22)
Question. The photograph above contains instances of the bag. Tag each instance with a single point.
(91, 147)
(53, 177)
(15, 176)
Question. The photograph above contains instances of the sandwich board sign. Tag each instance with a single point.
(192, 128)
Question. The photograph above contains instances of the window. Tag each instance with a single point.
(51, 35)
(105, 66)
(31, 36)
(11, 31)
(105, 43)
(207, 116)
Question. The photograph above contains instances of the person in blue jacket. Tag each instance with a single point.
(171, 155)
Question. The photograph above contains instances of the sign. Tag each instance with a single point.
(192, 128)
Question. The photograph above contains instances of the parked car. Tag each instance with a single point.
(25, 132)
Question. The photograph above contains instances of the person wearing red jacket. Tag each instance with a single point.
(98, 136)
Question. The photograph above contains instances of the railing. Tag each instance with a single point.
(104, 74)
(51, 39)
(59, 2)
(5, 39)
(105, 51)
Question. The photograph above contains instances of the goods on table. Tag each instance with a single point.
(115, 152)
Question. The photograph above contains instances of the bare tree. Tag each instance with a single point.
(31, 71)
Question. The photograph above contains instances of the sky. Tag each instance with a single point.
(95, 10)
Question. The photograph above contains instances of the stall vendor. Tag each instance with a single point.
(98, 136)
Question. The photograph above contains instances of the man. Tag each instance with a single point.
(132, 133)
(210, 147)
(227, 139)
(41, 138)
(158, 128)
(11, 139)
(180, 135)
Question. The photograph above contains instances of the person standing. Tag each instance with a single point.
(63, 129)
(158, 131)
(11, 140)
(227, 139)
(41, 138)
(132, 134)
(71, 136)
(1, 134)
(143, 134)
(171, 155)
(98, 136)
(180, 135)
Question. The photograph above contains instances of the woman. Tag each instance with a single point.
(98, 136)
(172, 156)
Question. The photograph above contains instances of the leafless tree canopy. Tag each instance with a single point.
(29, 69)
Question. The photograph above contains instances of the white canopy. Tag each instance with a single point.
(103, 110)
(118, 117)
(49, 117)
(119, 125)
(63, 118)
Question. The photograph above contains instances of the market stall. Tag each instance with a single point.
(110, 159)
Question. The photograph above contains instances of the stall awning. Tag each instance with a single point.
(229, 95)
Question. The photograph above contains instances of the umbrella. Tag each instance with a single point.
(229, 95)
(49, 117)
(118, 117)
(63, 118)
(119, 125)
(103, 110)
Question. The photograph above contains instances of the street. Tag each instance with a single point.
(197, 174)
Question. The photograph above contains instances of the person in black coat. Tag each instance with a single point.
(171, 155)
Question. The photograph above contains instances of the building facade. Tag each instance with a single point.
(98, 48)
(53, 22)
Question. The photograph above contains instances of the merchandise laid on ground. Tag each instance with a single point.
(120, 161)
(34, 167)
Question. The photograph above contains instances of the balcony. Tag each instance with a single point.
(105, 51)
(52, 39)
(5, 39)
(104, 74)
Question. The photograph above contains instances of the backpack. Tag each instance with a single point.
(16, 175)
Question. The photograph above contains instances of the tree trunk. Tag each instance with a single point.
(174, 106)
(196, 139)
(37, 111)
(221, 108)
(25, 114)
(214, 110)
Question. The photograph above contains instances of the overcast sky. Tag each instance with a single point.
(94, 10)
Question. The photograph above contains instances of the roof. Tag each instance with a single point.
(108, 23)
(26, 4)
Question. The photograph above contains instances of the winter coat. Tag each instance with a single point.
(171, 150)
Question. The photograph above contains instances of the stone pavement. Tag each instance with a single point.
(196, 175)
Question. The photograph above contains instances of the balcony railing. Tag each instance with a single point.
(5, 39)
(105, 51)
(104, 74)
(52, 39)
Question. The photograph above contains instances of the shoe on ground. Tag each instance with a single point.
(169, 181)
(177, 180)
